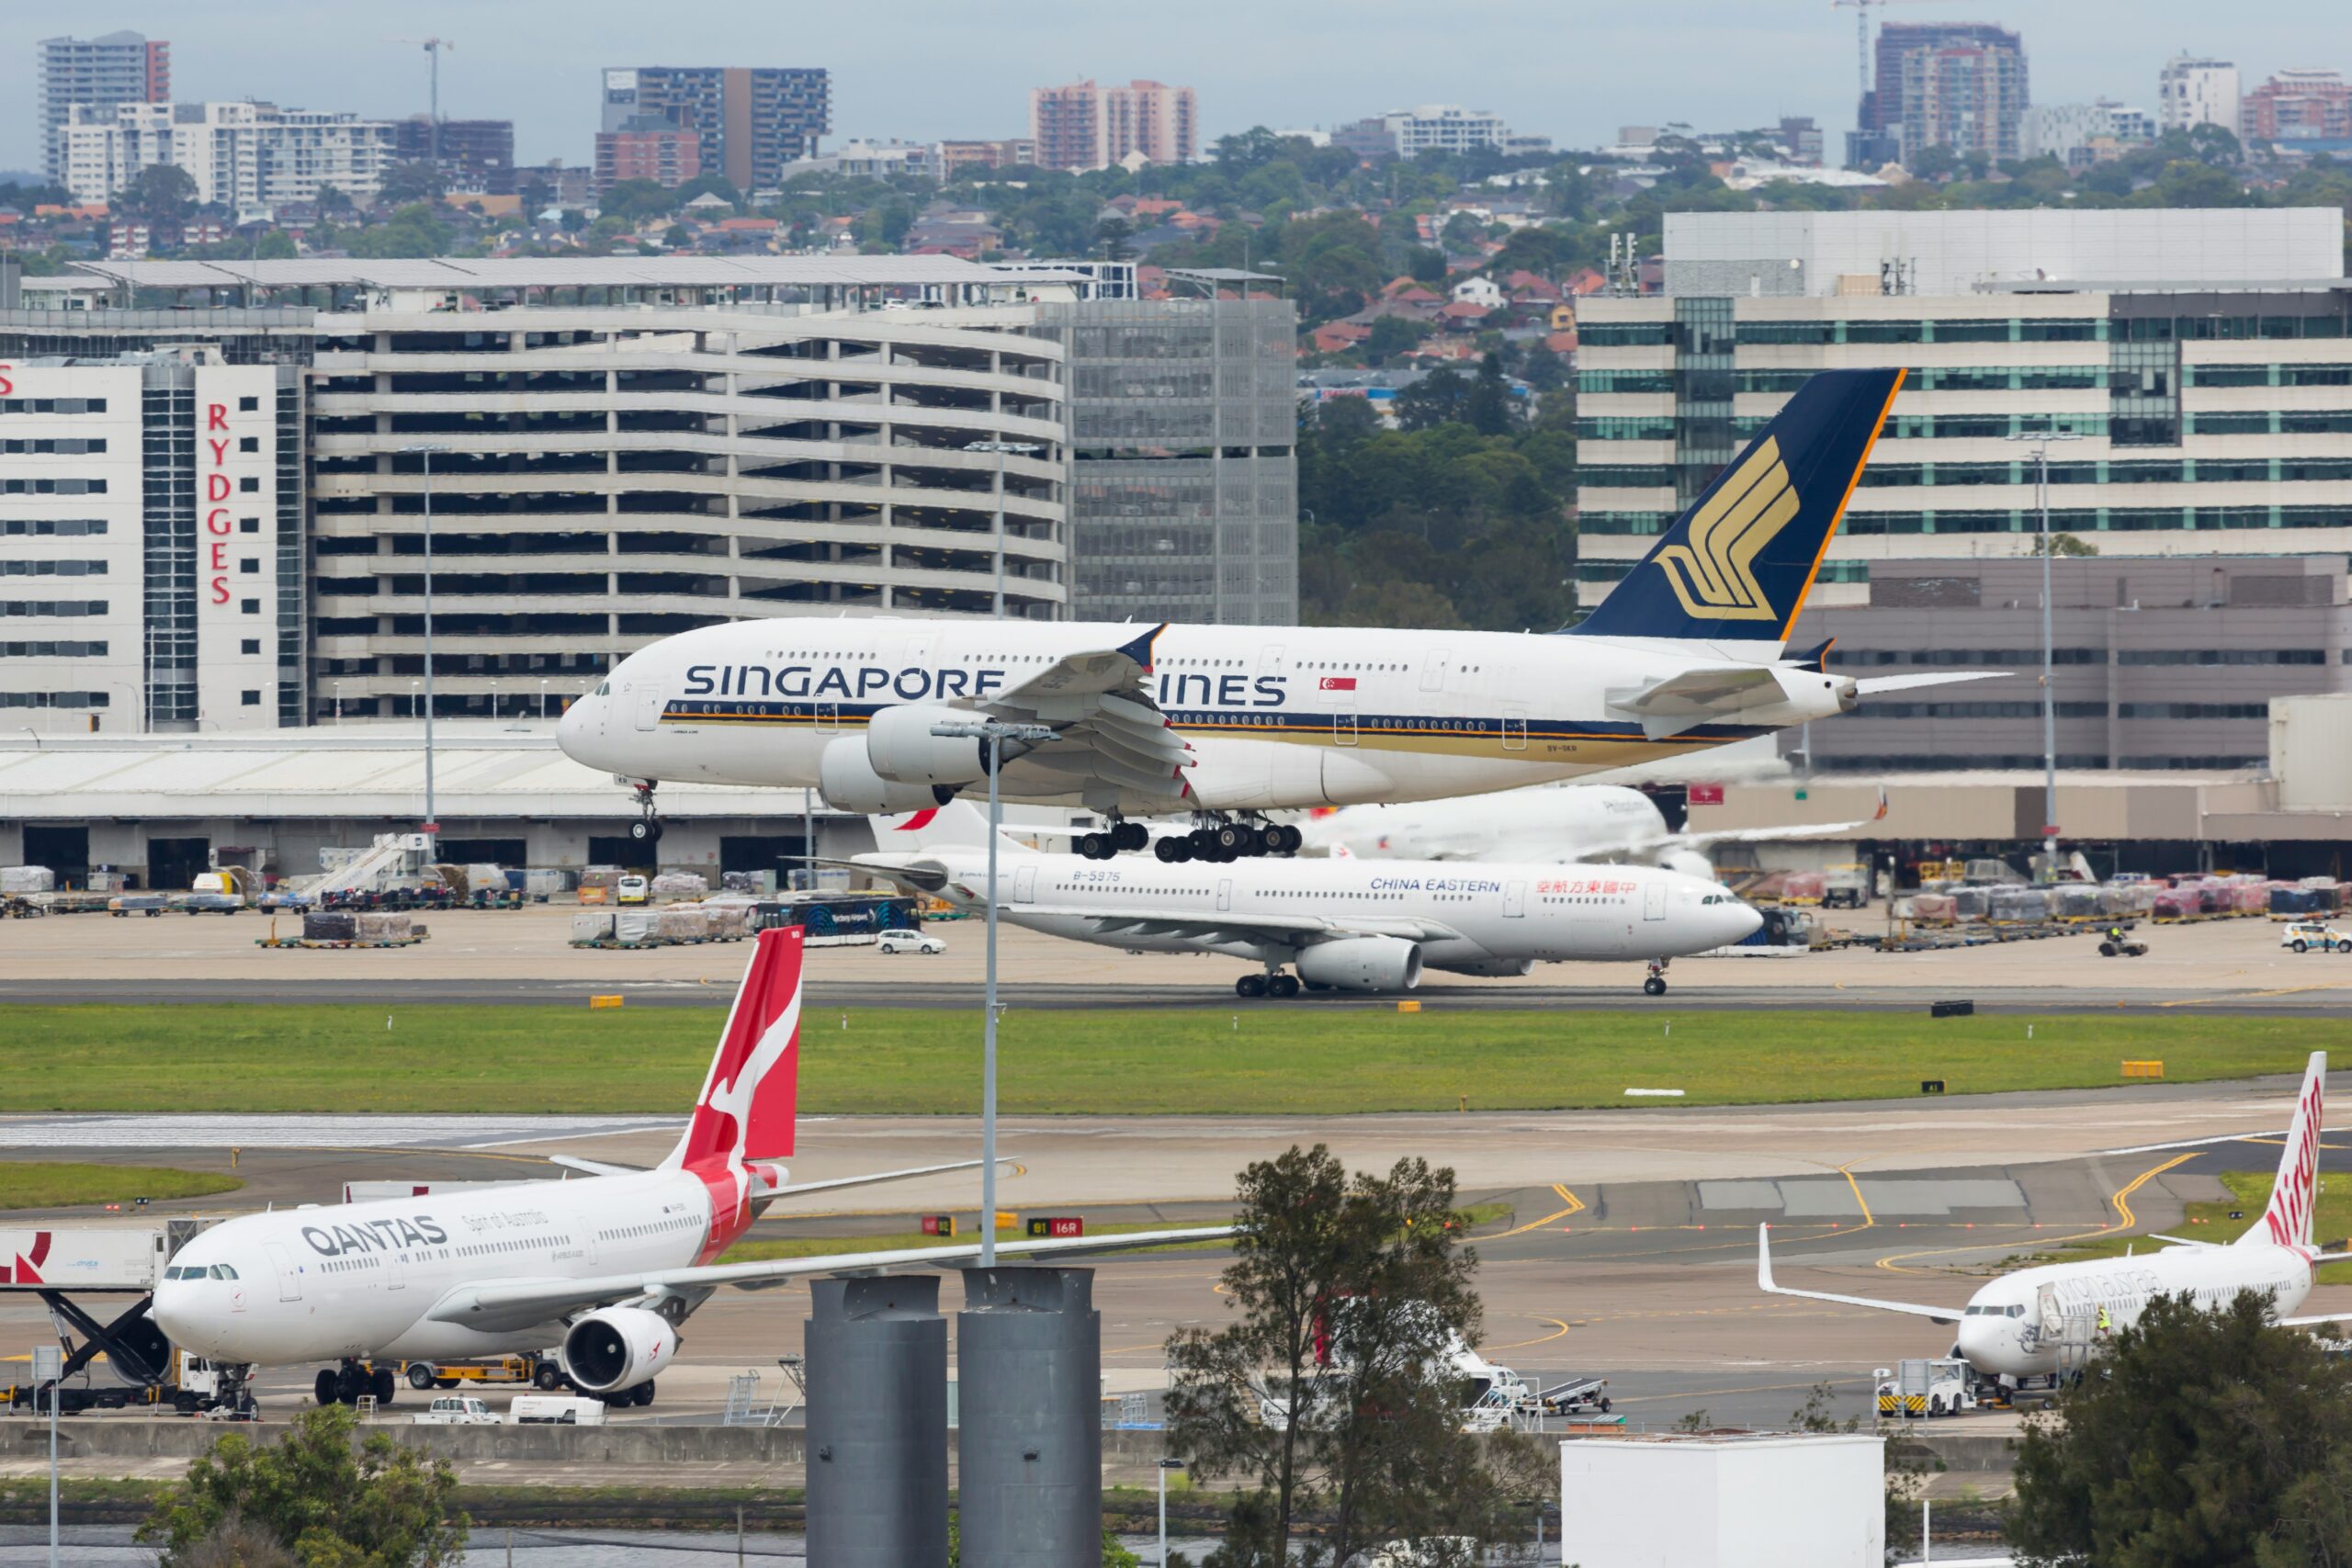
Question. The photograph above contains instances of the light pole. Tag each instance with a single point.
(1165, 1466)
(49, 1366)
(425, 449)
(996, 733)
(1000, 448)
(2041, 456)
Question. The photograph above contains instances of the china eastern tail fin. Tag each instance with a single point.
(2287, 1222)
(1737, 565)
(745, 1111)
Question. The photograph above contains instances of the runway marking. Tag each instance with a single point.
(2121, 1199)
(1575, 1206)
(2248, 995)
(1559, 1330)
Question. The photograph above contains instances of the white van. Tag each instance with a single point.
(556, 1410)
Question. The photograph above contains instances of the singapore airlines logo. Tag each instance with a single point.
(1714, 574)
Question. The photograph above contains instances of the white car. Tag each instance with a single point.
(904, 940)
(457, 1410)
(2304, 935)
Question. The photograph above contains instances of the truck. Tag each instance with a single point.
(539, 1371)
(115, 1358)
(457, 1410)
(217, 893)
(1925, 1388)
(555, 1410)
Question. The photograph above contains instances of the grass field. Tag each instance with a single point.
(1262, 1059)
(2250, 1192)
(33, 1184)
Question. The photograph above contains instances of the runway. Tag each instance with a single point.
(1629, 1250)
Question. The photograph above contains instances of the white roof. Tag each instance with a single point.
(372, 773)
(551, 272)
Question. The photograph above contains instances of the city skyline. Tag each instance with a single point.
(1319, 66)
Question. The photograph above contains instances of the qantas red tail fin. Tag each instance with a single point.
(2287, 1219)
(745, 1111)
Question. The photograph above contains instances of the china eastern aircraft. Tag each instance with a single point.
(2046, 1320)
(1340, 924)
(607, 1267)
(1569, 822)
(1226, 723)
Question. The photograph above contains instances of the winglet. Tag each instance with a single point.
(1736, 566)
(1139, 651)
(1815, 660)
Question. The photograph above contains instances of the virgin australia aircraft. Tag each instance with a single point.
(1340, 924)
(2047, 1321)
(607, 1267)
(1226, 723)
(1578, 822)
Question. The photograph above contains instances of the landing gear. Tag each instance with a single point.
(1656, 984)
(645, 831)
(386, 1387)
(348, 1383)
(1279, 986)
(1250, 985)
(1118, 837)
(1219, 841)
(323, 1386)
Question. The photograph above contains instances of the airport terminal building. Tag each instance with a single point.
(611, 451)
(2188, 375)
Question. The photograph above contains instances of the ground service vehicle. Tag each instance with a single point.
(2303, 935)
(631, 890)
(457, 1410)
(529, 1369)
(1925, 1388)
(555, 1410)
(909, 942)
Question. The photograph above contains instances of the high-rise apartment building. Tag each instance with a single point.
(2192, 90)
(647, 149)
(1086, 126)
(100, 73)
(248, 157)
(751, 120)
(1961, 86)
(2306, 109)
(476, 154)
(1430, 127)
(2079, 135)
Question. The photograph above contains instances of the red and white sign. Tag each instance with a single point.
(1705, 795)
(1339, 683)
(219, 528)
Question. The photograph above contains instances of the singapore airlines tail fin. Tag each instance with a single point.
(1737, 565)
(746, 1108)
(2288, 1220)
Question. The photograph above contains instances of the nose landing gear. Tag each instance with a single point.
(1656, 984)
(647, 829)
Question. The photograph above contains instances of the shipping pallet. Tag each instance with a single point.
(305, 942)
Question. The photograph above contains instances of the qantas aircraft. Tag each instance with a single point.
(1569, 822)
(1339, 924)
(1226, 723)
(607, 1267)
(2046, 1320)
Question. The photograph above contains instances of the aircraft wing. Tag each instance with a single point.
(1106, 721)
(1875, 685)
(1209, 925)
(1764, 1282)
(505, 1307)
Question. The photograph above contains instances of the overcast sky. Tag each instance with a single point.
(927, 69)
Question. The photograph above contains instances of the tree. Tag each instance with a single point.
(1392, 335)
(332, 203)
(2064, 545)
(275, 245)
(538, 196)
(1111, 237)
(633, 199)
(415, 181)
(414, 230)
(313, 1494)
(1935, 162)
(1486, 409)
(1425, 264)
(161, 193)
(1442, 397)
(1332, 1391)
(2200, 1438)
(2216, 145)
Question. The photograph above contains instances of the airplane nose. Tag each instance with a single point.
(1744, 920)
(571, 728)
(1981, 1343)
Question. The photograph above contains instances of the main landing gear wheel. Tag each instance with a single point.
(322, 1387)
(1282, 988)
(1250, 985)
(1171, 851)
(1281, 839)
(386, 1387)
(1129, 836)
(1096, 846)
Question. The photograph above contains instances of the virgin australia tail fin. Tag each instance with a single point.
(2287, 1222)
(746, 1108)
(1737, 565)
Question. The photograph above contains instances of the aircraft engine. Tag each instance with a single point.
(1362, 964)
(618, 1348)
(899, 744)
(849, 783)
(1690, 863)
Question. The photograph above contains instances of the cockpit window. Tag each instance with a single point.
(223, 1271)
(604, 688)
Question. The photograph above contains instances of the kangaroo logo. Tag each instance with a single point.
(1714, 574)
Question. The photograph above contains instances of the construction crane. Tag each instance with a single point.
(434, 46)
(1862, 9)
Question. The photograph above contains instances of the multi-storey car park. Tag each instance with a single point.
(622, 448)
(2187, 375)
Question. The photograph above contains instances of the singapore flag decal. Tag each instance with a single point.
(1337, 683)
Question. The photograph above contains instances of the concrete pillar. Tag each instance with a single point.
(1029, 1449)
(877, 1423)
